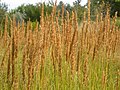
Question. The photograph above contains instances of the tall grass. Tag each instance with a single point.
(59, 54)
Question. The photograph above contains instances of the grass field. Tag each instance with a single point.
(59, 54)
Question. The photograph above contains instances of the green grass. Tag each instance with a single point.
(118, 22)
(51, 80)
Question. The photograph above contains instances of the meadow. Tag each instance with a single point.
(60, 54)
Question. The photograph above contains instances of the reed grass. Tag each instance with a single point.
(59, 54)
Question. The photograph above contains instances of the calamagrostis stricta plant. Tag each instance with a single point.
(89, 2)
(5, 34)
(74, 42)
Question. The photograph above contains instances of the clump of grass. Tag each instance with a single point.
(58, 54)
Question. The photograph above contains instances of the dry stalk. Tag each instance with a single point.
(24, 64)
(103, 80)
(58, 47)
(89, 2)
(5, 34)
(73, 45)
(85, 71)
(68, 36)
(13, 58)
(9, 63)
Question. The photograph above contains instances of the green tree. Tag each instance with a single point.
(79, 9)
(32, 12)
(29, 11)
(67, 8)
(3, 10)
(101, 5)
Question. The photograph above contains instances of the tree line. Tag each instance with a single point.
(33, 12)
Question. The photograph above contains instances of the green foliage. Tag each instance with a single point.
(115, 8)
(79, 9)
(67, 8)
(32, 12)
(3, 10)
(101, 6)
(76, 7)
(29, 11)
(118, 22)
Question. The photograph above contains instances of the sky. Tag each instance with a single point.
(12, 4)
